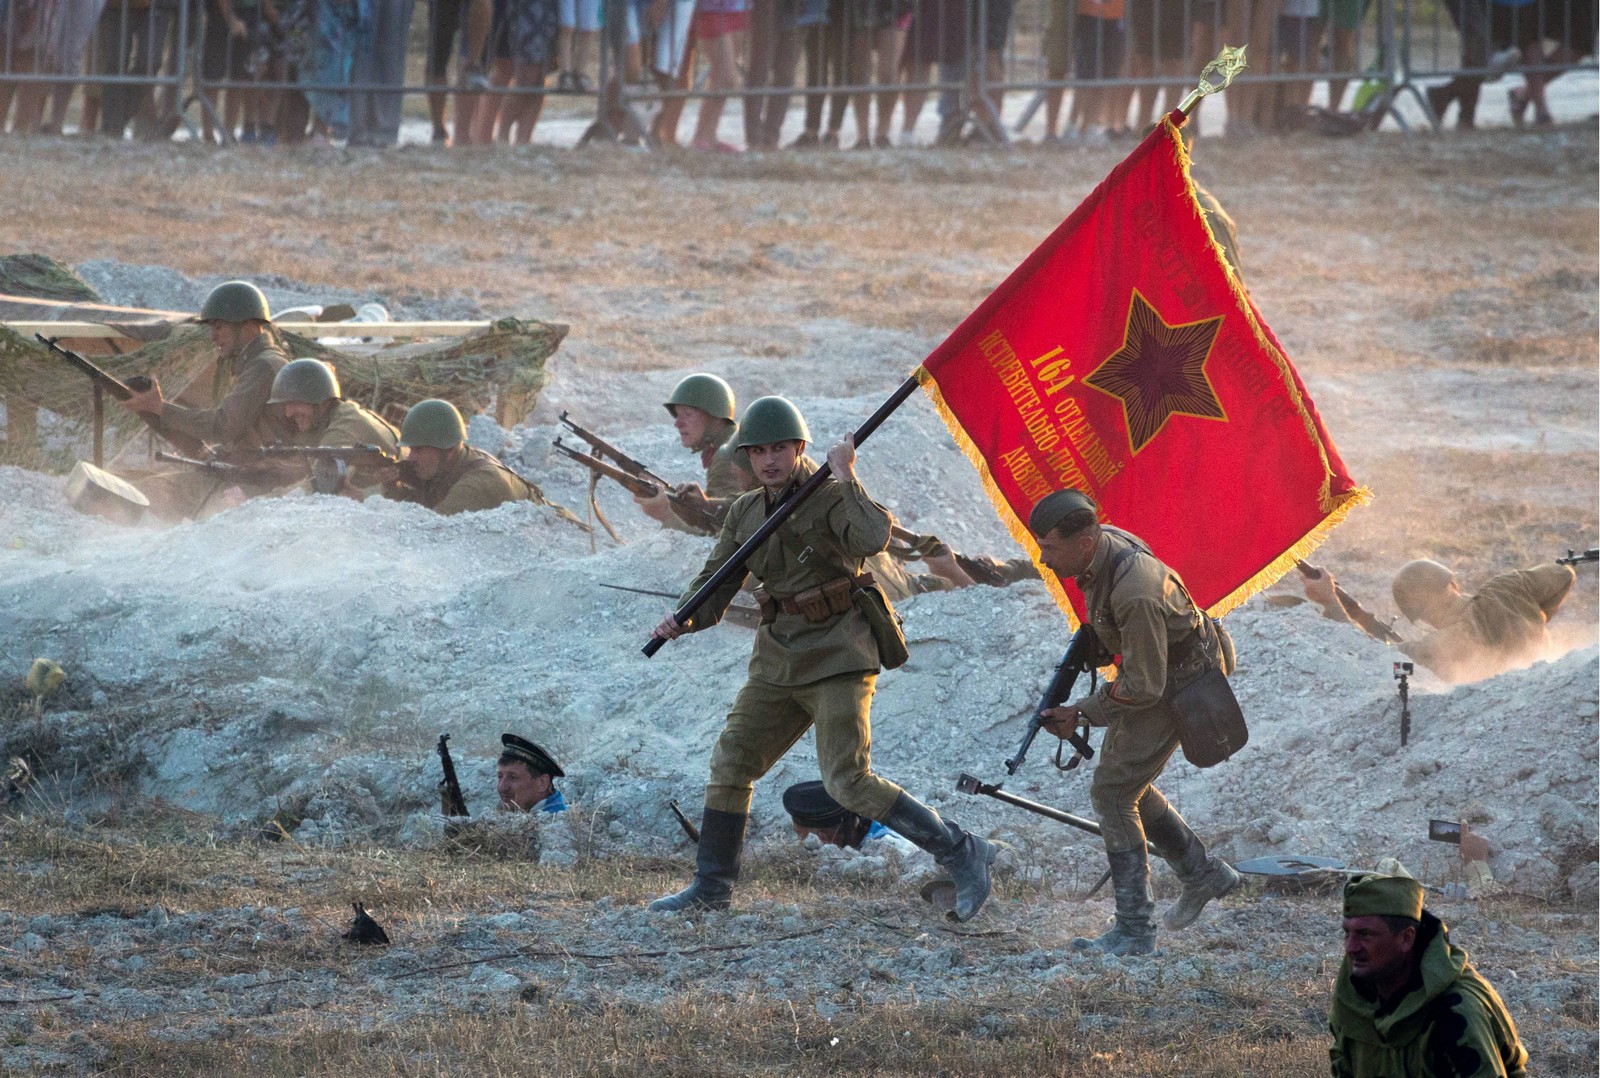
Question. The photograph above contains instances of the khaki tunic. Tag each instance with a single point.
(826, 538)
(1503, 627)
(240, 388)
(475, 481)
(1140, 611)
(802, 674)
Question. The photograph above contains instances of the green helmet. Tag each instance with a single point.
(235, 301)
(706, 392)
(772, 419)
(309, 381)
(433, 423)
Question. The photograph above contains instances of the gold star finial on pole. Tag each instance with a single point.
(1229, 62)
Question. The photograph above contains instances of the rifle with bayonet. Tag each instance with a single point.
(1084, 655)
(636, 477)
(122, 391)
(1575, 557)
(451, 803)
(1362, 618)
(332, 464)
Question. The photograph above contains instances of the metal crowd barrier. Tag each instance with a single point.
(268, 70)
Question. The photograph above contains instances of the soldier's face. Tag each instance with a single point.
(300, 415)
(1376, 953)
(1067, 557)
(692, 424)
(519, 788)
(774, 464)
(427, 461)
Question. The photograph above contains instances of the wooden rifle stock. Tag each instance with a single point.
(1363, 618)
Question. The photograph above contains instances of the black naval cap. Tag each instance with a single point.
(810, 806)
(538, 761)
(1072, 508)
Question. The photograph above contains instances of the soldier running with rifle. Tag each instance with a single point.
(1140, 610)
(816, 660)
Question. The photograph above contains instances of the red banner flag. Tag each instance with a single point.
(1124, 359)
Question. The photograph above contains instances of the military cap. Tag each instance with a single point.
(810, 806)
(1073, 508)
(1372, 895)
(538, 761)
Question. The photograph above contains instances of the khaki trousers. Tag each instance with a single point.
(1135, 750)
(766, 720)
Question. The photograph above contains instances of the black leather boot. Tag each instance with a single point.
(965, 855)
(1203, 877)
(716, 865)
(1134, 932)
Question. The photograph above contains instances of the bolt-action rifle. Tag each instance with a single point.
(122, 391)
(451, 803)
(636, 477)
(1084, 655)
(1575, 557)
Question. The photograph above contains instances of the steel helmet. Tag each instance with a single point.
(706, 392)
(309, 381)
(1418, 585)
(772, 419)
(235, 301)
(433, 423)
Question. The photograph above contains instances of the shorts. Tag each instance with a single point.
(671, 43)
(444, 22)
(710, 25)
(1298, 38)
(1159, 30)
(581, 15)
(996, 15)
(1101, 47)
(938, 32)
(225, 57)
(1346, 14)
(1567, 22)
(877, 14)
(1058, 39)
(531, 30)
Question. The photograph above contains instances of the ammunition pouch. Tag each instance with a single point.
(882, 620)
(1211, 724)
(814, 604)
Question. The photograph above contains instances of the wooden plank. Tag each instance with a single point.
(84, 330)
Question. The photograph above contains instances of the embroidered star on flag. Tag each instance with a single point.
(1123, 358)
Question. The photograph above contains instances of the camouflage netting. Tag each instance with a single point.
(500, 370)
(42, 277)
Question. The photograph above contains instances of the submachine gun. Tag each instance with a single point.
(451, 803)
(1575, 557)
(1084, 655)
(331, 464)
(635, 476)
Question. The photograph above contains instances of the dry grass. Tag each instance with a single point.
(1197, 1017)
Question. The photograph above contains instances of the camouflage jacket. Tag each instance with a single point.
(1449, 1023)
